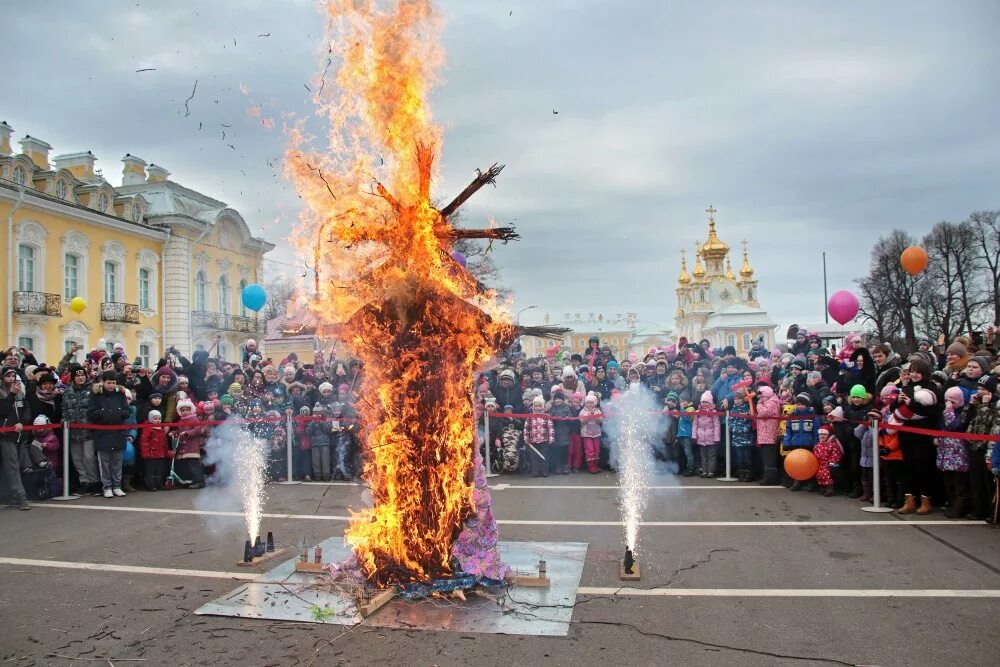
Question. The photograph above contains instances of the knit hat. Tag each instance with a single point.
(800, 362)
(925, 397)
(343, 386)
(536, 393)
(611, 364)
(577, 395)
(185, 403)
(707, 397)
(568, 372)
(325, 386)
(672, 396)
(765, 391)
(955, 395)
(858, 391)
(155, 394)
(988, 382)
(41, 420)
(958, 349)
(837, 412)
(824, 429)
(153, 413)
(889, 390)
(226, 400)
(538, 400)
(591, 398)
(508, 373)
(983, 361)
(804, 398)
(557, 393)
(319, 408)
(235, 388)
(181, 379)
(304, 410)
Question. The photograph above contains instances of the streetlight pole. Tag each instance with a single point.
(517, 321)
(826, 301)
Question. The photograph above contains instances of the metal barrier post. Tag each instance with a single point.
(729, 453)
(289, 424)
(876, 505)
(66, 495)
(489, 445)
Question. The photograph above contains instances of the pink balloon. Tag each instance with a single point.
(843, 306)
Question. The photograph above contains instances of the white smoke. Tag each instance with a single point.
(238, 482)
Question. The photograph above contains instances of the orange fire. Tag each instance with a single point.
(389, 285)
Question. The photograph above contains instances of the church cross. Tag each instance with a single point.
(711, 212)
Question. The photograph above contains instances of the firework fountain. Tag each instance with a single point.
(250, 466)
(633, 430)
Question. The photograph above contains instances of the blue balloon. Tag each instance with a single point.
(128, 458)
(458, 257)
(254, 297)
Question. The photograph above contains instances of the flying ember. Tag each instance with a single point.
(390, 287)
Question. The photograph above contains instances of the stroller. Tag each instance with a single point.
(173, 479)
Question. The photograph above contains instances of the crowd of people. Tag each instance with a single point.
(137, 427)
(935, 414)
(149, 427)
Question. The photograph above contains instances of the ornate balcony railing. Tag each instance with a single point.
(120, 312)
(37, 303)
(223, 322)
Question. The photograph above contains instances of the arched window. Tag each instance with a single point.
(223, 295)
(25, 268)
(749, 294)
(701, 295)
(200, 291)
(243, 309)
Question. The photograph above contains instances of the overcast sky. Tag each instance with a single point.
(810, 126)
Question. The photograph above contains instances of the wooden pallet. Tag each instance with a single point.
(258, 560)
(625, 576)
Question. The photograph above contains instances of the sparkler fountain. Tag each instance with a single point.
(634, 428)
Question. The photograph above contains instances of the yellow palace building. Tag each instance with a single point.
(157, 264)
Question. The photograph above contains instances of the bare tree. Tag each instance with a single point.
(951, 292)
(985, 227)
(280, 291)
(889, 294)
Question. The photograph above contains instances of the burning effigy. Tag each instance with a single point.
(399, 297)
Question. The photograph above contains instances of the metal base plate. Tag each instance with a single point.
(281, 594)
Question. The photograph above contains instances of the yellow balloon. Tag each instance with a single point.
(77, 304)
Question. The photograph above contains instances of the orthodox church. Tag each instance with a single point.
(714, 303)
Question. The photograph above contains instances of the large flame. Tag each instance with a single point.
(389, 285)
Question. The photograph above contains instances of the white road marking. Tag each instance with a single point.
(794, 592)
(133, 569)
(677, 487)
(542, 522)
(582, 590)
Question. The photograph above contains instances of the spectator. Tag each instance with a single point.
(109, 407)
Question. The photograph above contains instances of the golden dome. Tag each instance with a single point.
(747, 270)
(684, 278)
(729, 269)
(699, 270)
(713, 248)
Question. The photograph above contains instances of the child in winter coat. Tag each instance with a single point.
(684, 432)
(341, 442)
(155, 452)
(191, 439)
(768, 409)
(575, 451)
(563, 427)
(707, 433)
(741, 435)
(983, 418)
(277, 464)
(302, 458)
(319, 431)
(952, 457)
(828, 452)
(43, 451)
(801, 429)
(864, 435)
(667, 430)
(538, 436)
(590, 431)
(888, 448)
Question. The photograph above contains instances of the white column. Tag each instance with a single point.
(176, 278)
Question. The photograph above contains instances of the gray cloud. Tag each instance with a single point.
(810, 126)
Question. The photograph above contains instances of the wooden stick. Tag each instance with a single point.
(257, 560)
(481, 179)
(377, 601)
(497, 233)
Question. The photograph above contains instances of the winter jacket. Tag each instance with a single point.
(191, 438)
(75, 403)
(801, 429)
(153, 443)
(768, 411)
(863, 432)
(722, 389)
(302, 435)
(983, 419)
(563, 427)
(539, 431)
(108, 409)
(14, 409)
(951, 452)
(319, 432)
(684, 424)
(741, 426)
(168, 408)
(590, 422)
(48, 442)
(706, 429)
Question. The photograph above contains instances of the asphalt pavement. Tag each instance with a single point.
(731, 573)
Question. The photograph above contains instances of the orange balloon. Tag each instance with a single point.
(801, 464)
(914, 260)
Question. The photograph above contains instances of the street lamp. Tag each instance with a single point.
(517, 321)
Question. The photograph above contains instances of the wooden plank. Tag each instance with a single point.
(527, 581)
(261, 559)
(314, 568)
(626, 576)
(377, 601)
